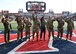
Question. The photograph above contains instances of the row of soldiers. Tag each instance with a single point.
(37, 26)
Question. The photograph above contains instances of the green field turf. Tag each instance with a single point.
(14, 25)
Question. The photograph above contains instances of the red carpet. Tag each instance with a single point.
(35, 45)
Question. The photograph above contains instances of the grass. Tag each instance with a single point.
(14, 25)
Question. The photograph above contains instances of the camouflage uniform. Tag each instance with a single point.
(20, 27)
(50, 26)
(36, 25)
(43, 28)
(7, 29)
(28, 25)
(70, 27)
(60, 27)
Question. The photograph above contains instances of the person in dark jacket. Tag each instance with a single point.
(42, 27)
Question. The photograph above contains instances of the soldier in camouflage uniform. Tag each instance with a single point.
(36, 26)
(7, 29)
(60, 26)
(50, 26)
(28, 25)
(42, 27)
(20, 27)
(70, 27)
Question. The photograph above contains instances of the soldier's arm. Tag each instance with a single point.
(2, 20)
(24, 21)
(23, 25)
(73, 24)
(63, 22)
(38, 23)
(30, 24)
(33, 17)
(10, 27)
(47, 24)
(16, 19)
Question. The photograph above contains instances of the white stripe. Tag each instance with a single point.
(42, 51)
(50, 44)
